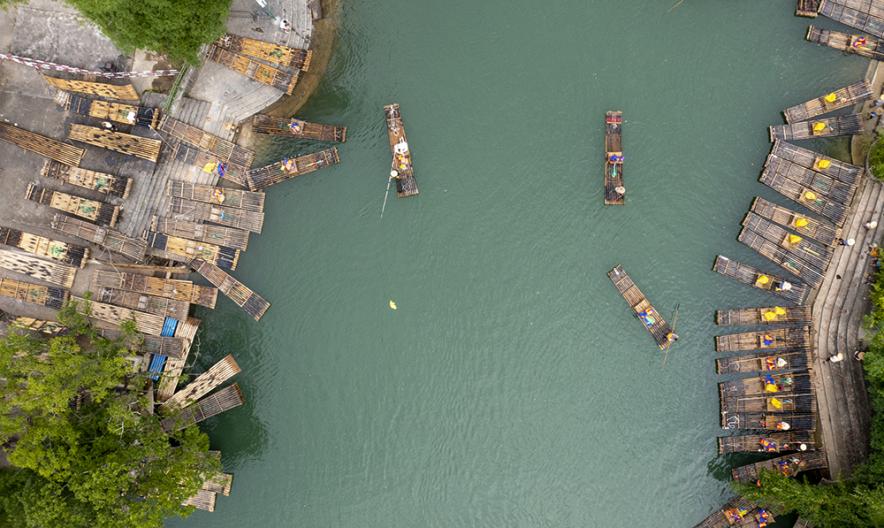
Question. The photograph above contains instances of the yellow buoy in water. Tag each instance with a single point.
(831, 98)
(823, 164)
(801, 222)
(393, 305)
(810, 195)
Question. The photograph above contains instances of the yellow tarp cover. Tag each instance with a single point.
(819, 126)
(823, 164)
(801, 222)
(831, 98)
(794, 239)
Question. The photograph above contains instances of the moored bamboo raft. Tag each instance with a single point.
(214, 234)
(88, 179)
(225, 151)
(809, 198)
(831, 167)
(180, 290)
(206, 382)
(840, 98)
(767, 443)
(126, 114)
(45, 247)
(49, 296)
(203, 500)
(173, 368)
(31, 324)
(811, 275)
(642, 308)
(184, 250)
(42, 145)
(865, 16)
(836, 190)
(145, 323)
(225, 399)
(820, 231)
(402, 164)
(173, 347)
(122, 92)
(209, 163)
(772, 404)
(807, 8)
(814, 253)
(220, 484)
(856, 44)
(286, 56)
(99, 212)
(298, 128)
(144, 303)
(110, 239)
(614, 189)
(845, 125)
(790, 359)
(767, 384)
(128, 144)
(737, 513)
(788, 465)
(262, 73)
(786, 421)
(245, 200)
(789, 290)
(52, 272)
(767, 339)
(218, 214)
(763, 315)
(252, 303)
(263, 177)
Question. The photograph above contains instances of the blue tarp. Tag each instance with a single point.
(157, 362)
(169, 327)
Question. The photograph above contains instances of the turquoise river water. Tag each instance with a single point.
(512, 387)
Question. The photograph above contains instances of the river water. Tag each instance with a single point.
(512, 387)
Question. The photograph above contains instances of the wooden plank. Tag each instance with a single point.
(206, 382)
(50, 296)
(42, 145)
(175, 367)
(184, 250)
(144, 322)
(145, 303)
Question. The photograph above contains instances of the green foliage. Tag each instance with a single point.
(876, 160)
(176, 28)
(86, 450)
(5, 4)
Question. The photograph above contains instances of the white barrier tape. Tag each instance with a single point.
(43, 65)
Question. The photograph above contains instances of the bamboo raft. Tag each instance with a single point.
(763, 315)
(772, 422)
(245, 200)
(173, 369)
(42, 145)
(45, 247)
(225, 399)
(737, 513)
(840, 98)
(263, 177)
(88, 179)
(642, 308)
(769, 443)
(788, 465)
(219, 235)
(121, 92)
(252, 303)
(179, 290)
(402, 163)
(787, 260)
(140, 147)
(792, 291)
(856, 44)
(145, 323)
(205, 383)
(831, 167)
(190, 155)
(807, 8)
(820, 183)
(614, 190)
(790, 359)
(224, 151)
(809, 198)
(768, 384)
(110, 239)
(814, 253)
(821, 231)
(144, 303)
(52, 272)
(772, 404)
(845, 125)
(32, 325)
(220, 484)
(173, 347)
(203, 500)
(869, 18)
(254, 70)
(277, 54)
(49, 296)
(298, 128)
(218, 214)
(768, 339)
(92, 210)
(184, 250)
(118, 112)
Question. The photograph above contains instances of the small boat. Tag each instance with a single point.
(402, 169)
(614, 189)
(644, 311)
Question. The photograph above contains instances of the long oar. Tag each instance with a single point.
(674, 322)
(386, 193)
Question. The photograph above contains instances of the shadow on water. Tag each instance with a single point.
(721, 466)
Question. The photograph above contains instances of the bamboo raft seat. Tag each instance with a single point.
(615, 192)
(795, 292)
(831, 167)
(52, 272)
(110, 239)
(642, 308)
(213, 234)
(766, 385)
(773, 338)
(140, 147)
(126, 114)
(184, 250)
(820, 183)
(814, 253)
(49, 296)
(869, 18)
(821, 231)
(402, 163)
(787, 260)
(179, 290)
(120, 92)
(840, 98)
(225, 399)
(786, 421)
(807, 8)
(767, 443)
(217, 214)
(257, 71)
(772, 404)
(845, 125)
(288, 168)
(809, 198)
(252, 303)
(42, 145)
(298, 128)
(118, 186)
(172, 347)
(790, 359)
(225, 151)
(788, 465)
(737, 513)
(203, 500)
(45, 247)
(145, 323)
(245, 200)
(276, 54)
(98, 212)
(209, 163)
(763, 315)
(205, 383)
(144, 303)
(856, 44)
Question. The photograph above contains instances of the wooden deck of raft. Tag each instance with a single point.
(99, 212)
(252, 303)
(245, 200)
(614, 188)
(42, 145)
(737, 513)
(190, 155)
(199, 211)
(840, 98)
(821, 231)
(49, 296)
(763, 316)
(121, 92)
(788, 465)
(146, 323)
(110, 239)
(176, 309)
(253, 69)
(819, 183)
(866, 16)
(812, 199)
(52, 272)
(774, 338)
(212, 405)
(767, 384)
(184, 250)
(180, 290)
(289, 168)
(223, 150)
(826, 165)
(802, 257)
(642, 308)
(45, 247)
(845, 125)
(787, 360)
(793, 291)
(206, 382)
(193, 230)
(298, 128)
(128, 144)
(797, 421)
(123, 113)
(767, 443)
(285, 56)
(402, 163)
(99, 182)
(856, 44)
